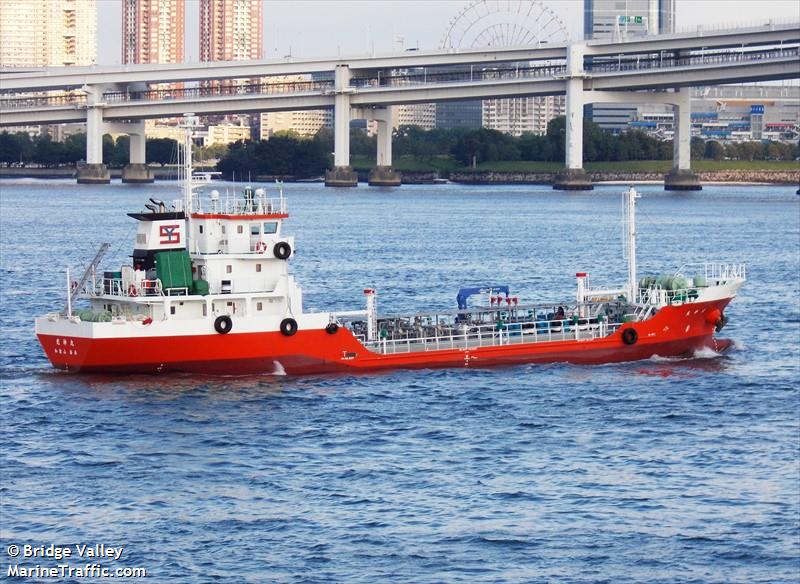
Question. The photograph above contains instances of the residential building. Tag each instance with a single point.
(414, 114)
(520, 115)
(226, 134)
(152, 31)
(231, 30)
(48, 33)
(304, 123)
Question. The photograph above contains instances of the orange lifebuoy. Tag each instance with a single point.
(261, 247)
(132, 291)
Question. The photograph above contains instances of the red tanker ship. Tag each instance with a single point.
(209, 291)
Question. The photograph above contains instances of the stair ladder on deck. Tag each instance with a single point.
(90, 269)
(645, 305)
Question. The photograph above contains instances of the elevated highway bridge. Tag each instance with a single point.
(655, 69)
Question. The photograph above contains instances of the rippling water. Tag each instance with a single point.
(655, 471)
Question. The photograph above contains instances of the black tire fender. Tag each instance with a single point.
(720, 324)
(332, 328)
(282, 250)
(630, 336)
(288, 326)
(223, 324)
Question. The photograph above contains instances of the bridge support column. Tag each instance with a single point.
(574, 178)
(383, 175)
(137, 171)
(342, 174)
(681, 177)
(93, 171)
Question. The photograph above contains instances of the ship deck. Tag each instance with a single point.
(493, 326)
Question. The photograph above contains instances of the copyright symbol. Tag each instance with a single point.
(13, 550)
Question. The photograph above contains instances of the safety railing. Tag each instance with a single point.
(423, 75)
(259, 205)
(32, 101)
(715, 272)
(218, 89)
(501, 333)
(657, 296)
(125, 289)
(668, 61)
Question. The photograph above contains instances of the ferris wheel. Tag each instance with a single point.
(504, 23)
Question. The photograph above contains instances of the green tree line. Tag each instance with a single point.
(289, 154)
(286, 153)
(20, 149)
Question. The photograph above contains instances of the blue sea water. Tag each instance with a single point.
(654, 471)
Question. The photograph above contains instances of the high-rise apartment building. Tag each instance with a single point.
(520, 115)
(618, 20)
(415, 114)
(304, 123)
(231, 30)
(152, 31)
(47, 33)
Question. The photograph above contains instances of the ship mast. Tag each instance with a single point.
(188, 125)
(629, 205)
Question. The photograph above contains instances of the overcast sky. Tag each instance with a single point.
(306, 28)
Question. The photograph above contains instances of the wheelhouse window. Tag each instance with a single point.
(270, 227)
(255, 229)
(240, 229)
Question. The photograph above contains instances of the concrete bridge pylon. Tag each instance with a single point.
(342, 174)
(574, 177)
(94, 170)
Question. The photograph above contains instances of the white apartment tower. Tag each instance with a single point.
(48, 33)
(520, 115)
(302, 122)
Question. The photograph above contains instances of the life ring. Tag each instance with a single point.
(132, 291)
(720, 323)
(282, 250)
(288, 326)
(261, 247)
(223, 324)
(332, 328)
(630, 336)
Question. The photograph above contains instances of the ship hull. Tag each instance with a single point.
(675, 331)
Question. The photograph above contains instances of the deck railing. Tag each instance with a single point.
(236, 205)
(497, 334)
(716, 271)
(118, 287)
